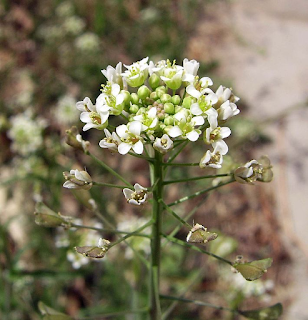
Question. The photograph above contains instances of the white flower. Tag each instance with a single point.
(163, 144)
(212, 159)
(91, 116)
(111, 141)
(185, 126)
(113, 75)
(137, 196)
(77, 180)
(130, 137)
(214, 135)
(172, 75)
(227, 110)
(148, 119)
(225, 94)
(190, 69)
(111, 100)
(136, 74)
(200, 88)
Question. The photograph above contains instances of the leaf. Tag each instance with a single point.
(52, 314)
(269, 313)
(253, 270)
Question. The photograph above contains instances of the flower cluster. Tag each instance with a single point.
(159, 104)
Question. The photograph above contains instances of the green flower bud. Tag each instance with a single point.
(177, 109)
(154, 95)
(169, 121)
(154, 81)
(143, 92)
(169, 108)
(133, 108)
(134, 98)
(141, 111)
(176, 99)
(127, 97)
(187, 102)
(165, 98)
(160, 91)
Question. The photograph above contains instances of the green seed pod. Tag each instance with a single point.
(154, 81)
(134, 98)
(133, 108)
(143, 92)
(169, 108)
(165, 98)
(176, 99)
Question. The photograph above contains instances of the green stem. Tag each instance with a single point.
(199, 192)
(102, 184)
(140, 156)
(185, 244)
(109, 230)
(157, 182)
(198, 302)
(104, 165)
(198, 178)
(113, 314)
(177, 153)
(182, 164)
(132, 233)
(169, 210)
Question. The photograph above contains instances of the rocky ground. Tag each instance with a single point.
(262, 49)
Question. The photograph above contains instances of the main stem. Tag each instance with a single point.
(156, 175)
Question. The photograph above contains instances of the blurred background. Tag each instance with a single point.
(51, 54)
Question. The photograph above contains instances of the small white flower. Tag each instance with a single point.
(91, 116)
(212, 159)
(113, 75)
(76, 179)
(172, 75)
(137, 196)
(190, 69)
(227, 110)
(136, 74)
(111, 141)
(148, 119)
(130, 137)
(163, 144)
(225, 94)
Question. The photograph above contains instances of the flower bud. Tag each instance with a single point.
(76, 179)
(187, 102)
(74, 139)
(143, 92)
(134, 98)
(176, 99)
(165, 98)
(169, 121)
(133, 108)
(154, 95)
(46, 217)
(160, 91)
(127, 97)
(154, 81)
(169, 108)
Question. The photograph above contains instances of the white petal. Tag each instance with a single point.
(119, 99)
(124, 148)
(138, 188)
(193, 135)
(174, 132)
(135, 127)
(193, 91)
(225, 132)
(115, 89)
(195, 109)
(88, 126)
(222, 146)
(198, 121)
(107, 133)
(138, 147)
(127, 193)
(85, 117)
(69, 185)
(122, 131)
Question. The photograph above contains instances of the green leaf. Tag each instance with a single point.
(253, 270)
(52, 314)
(269, 313)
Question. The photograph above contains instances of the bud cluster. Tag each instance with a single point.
(160, 103)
